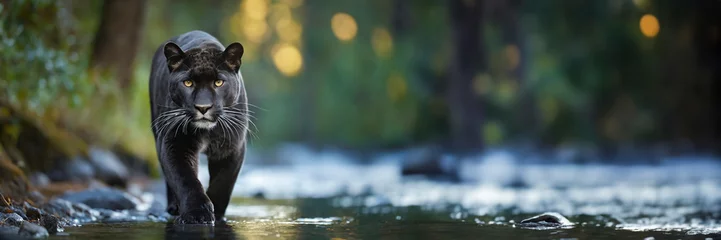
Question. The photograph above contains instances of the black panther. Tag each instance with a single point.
(198, 105)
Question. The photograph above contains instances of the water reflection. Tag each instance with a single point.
(219, 231)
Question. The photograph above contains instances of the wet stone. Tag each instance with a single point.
(60, 207)
(105, 198)
(108, 167)
(546, 220)
(51, 223)
(19, 211)
(32, 230)
(11, 218)
(32, 213)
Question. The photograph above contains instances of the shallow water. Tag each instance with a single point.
(327, 195)
(320, 219)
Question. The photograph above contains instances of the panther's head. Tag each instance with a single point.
(205, 82)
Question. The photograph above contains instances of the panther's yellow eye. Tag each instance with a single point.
(188, 83)
(219, 83)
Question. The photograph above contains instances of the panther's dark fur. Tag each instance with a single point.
(207, 115)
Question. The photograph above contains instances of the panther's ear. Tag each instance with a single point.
(173, 55)
(232, 55)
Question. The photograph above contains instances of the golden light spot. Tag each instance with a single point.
(649, 25)
(382, 42)
(235, 22)
(256, 9)
(279, 11)
(492, 133)
(344, 26)
(287, 59)
(549, 109)
(254, 30)
(513, 56)
(396, 86)
(506, 90)
(482, 84)
(288, 30)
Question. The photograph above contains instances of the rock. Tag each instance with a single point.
(136, 166)
(51, 223)
(8, 232)
(39, 179)
(429, 162)
(76, 170)
(11, 218)
(32, 230)
(546, 220)
(32, 213)
(105, 198)
(19, 211)
(36, 196)
(108, 167)
(60, 207)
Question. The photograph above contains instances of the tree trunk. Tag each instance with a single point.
(468, 58)
(118, 38)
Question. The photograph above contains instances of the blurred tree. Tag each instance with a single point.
(467, 58)
(117, 39)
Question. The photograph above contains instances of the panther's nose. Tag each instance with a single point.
(203, 108)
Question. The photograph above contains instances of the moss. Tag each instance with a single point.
(35, 142)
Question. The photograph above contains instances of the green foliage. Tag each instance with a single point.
(39, 58)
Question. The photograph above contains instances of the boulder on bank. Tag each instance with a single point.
(108, 167)
(104, 198)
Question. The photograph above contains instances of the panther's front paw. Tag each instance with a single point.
(203, 215)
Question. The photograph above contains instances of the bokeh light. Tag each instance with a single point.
(396, 86)
(649, 25)
(382, 42)
(287, 59)
(513, 56)
(288, 30)
(254, 29)
(256, 9)
(344, 26)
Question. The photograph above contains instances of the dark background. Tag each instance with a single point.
(464, 75)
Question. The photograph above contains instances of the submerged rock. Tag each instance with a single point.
(105, 198)
(108, 167)
(546, 220)
(32, 230)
